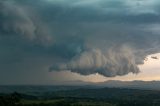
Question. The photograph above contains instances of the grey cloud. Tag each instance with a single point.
(15, 20)
(116, 11)
(107, 59)
(85, 36)
(114, 62)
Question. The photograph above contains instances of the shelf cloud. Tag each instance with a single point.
(115, 62)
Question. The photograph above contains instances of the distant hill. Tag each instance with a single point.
(72, 85)
(148, 85)
(137, 84)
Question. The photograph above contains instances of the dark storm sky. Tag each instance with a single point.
(39, 38)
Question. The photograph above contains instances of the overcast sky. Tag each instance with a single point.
(47, 41)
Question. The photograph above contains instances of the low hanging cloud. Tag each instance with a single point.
(115, 62)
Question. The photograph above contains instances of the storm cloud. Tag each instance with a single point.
(16, 20)
(82, 36)
(115, 62)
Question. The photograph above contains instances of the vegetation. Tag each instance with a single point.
(85, 97)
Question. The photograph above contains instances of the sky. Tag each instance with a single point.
(52, 41)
